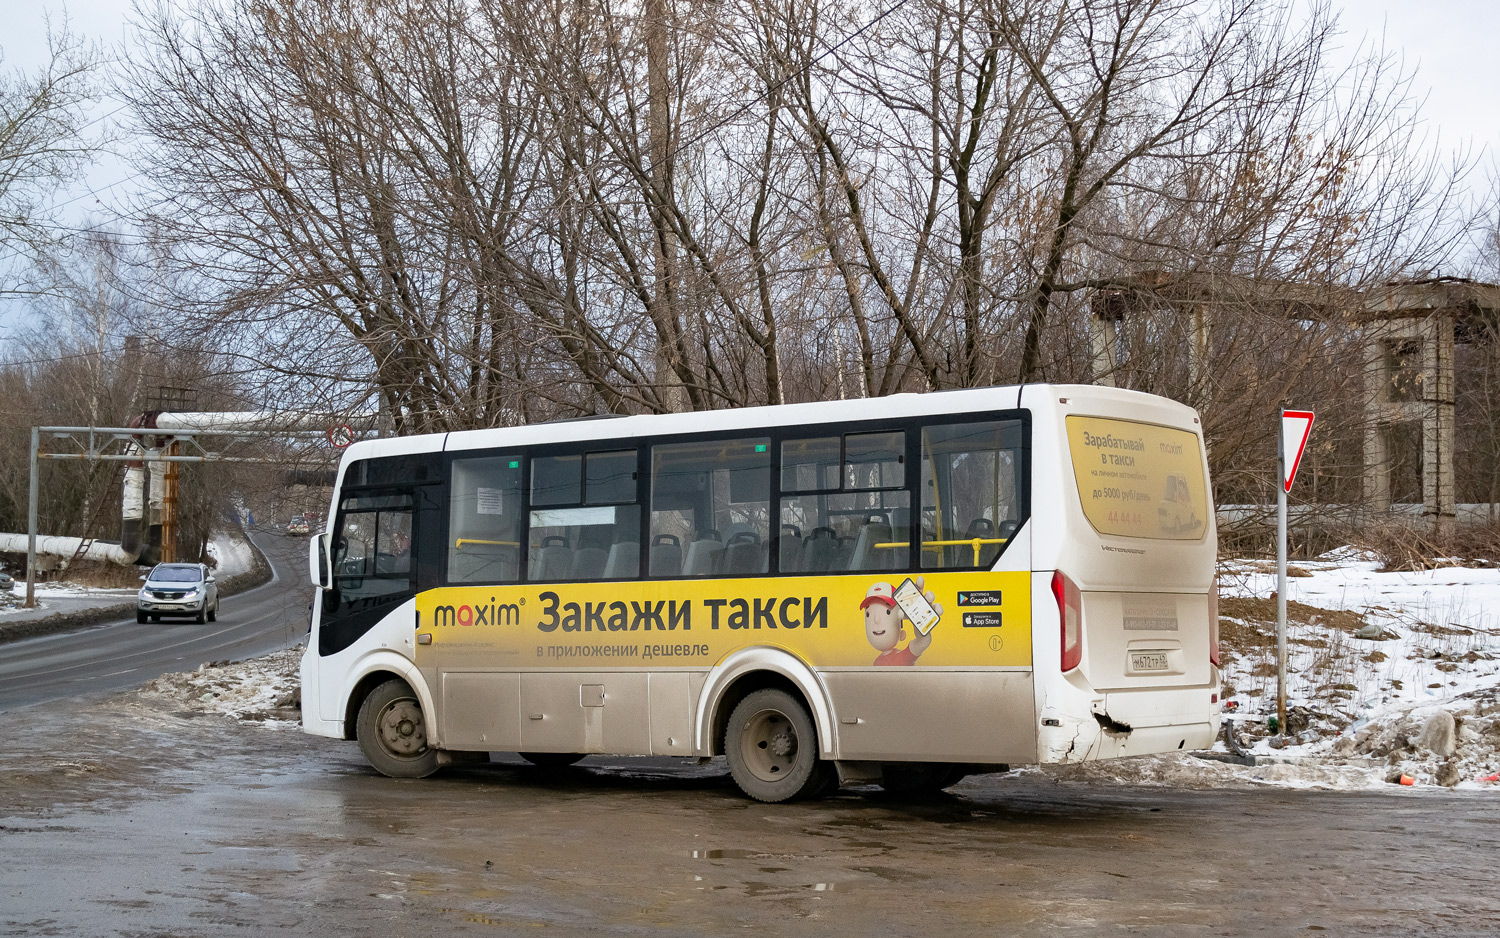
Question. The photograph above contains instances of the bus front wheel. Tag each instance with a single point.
(392, 734)
(772, 748)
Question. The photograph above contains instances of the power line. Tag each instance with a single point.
(9, 363)
(118, 217)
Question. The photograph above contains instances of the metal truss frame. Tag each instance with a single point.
(103, 444)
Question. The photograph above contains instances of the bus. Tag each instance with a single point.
(898, 591)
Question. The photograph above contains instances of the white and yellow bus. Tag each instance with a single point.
(901, 591)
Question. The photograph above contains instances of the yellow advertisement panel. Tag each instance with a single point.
(1139, 479)
(971, 619)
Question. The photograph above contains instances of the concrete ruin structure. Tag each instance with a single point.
(1409, 384)
(1409, 330)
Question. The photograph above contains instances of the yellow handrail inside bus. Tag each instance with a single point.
(976, 542)
(471, 540)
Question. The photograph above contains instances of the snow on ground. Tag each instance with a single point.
(1420, 697)
(63, 596)
(230, 550)
(1434, 634)
(1398, 667)
(261, 690)
(231, 553)
(1389, 674)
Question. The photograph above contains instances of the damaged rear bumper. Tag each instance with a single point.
(1130, 724)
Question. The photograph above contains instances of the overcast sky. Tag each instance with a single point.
(1449, 43)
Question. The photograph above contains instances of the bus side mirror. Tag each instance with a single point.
(317, 561)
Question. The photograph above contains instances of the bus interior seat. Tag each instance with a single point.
(588, 563)
(703, 554)
(844, 555)
(744, 553)
(666, 555)
(901, 523)
(789, 548)
(486, 563)
(896, 557)
(866, 555)
(601, 536)
(553, 560)
(981, 528)
(624, 561)
(819, 550)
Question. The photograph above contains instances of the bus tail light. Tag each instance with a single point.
(1070, 616)
(1213, 624)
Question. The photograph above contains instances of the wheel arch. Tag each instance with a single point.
(376, 670)
(749, 670)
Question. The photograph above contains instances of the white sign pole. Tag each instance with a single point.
(1281, 584)
(1291, 441)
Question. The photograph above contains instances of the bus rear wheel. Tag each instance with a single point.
(392, 733)
(772, 748)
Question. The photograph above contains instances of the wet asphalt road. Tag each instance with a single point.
(126, 822)
(119, 819)
(121, 654)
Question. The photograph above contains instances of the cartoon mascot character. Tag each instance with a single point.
(885, 626)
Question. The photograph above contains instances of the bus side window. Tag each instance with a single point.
(711, 501)
(844, 505)
(585, 523)
(484, 520)
(971, 492)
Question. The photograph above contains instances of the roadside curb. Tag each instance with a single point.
(259, 574)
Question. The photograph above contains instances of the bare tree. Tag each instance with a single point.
(503, 212)
(43, 141)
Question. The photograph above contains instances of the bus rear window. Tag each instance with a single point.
(1139, 479)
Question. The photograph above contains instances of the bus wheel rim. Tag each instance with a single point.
(769, 745)
(400, 728)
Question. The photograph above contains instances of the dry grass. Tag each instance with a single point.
(1240, 637)
(1402, 546)
(1258, 609)
(101, 574)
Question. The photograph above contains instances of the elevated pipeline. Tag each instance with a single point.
(143, 489)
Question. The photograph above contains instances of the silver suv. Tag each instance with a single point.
(178, 589)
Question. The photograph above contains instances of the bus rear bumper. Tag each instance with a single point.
(1084, 743)
(1130, 724)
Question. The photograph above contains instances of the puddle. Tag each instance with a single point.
(744, 855)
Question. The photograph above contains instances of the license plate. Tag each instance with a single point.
(1148, 661)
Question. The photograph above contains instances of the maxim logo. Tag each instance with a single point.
(466, 615)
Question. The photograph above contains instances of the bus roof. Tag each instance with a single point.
(896, 406)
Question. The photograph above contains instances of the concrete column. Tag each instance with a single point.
(1439, 504)
(1377, 469)
(1103, 337)
(1198, 373)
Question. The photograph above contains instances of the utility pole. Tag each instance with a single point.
(659, 131)
(169, 509)
(31, 511)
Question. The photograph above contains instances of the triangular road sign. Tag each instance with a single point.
(1295, 427)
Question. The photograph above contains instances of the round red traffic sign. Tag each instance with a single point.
(341, 435)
